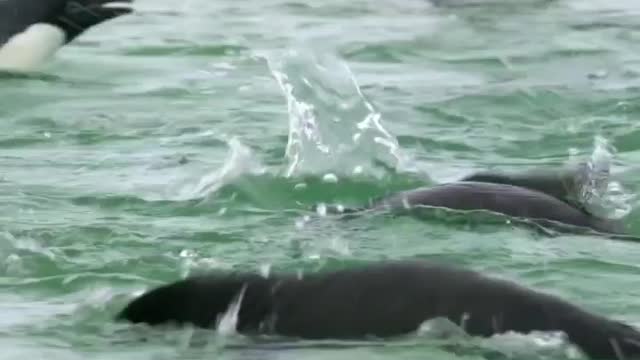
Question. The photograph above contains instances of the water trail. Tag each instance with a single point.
(240, 161)
(332, 126)
(600, 195)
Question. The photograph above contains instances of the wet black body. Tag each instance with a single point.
(563, 184)
(72, 16)
(382, 300)
(513, 201)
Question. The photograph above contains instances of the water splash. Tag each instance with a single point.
(600, 195)
(191, 261)
(16, 253)
(240, 161)
(332, 126)
(536, 344)
(229, 320)
(265, 270)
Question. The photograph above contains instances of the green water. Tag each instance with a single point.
(165, 143)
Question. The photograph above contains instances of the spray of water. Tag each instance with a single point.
(332, 126)
(598, 192)
(240, 161)
(229, 320)
(553, 345)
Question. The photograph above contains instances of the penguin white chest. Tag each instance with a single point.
(30, 49)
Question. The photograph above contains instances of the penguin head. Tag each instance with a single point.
(202, 300)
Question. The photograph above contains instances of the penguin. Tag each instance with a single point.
(384, 300)
(32, 31)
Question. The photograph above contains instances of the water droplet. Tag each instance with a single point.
(330, 178)
(321, 209)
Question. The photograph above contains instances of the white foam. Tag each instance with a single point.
(29, 50)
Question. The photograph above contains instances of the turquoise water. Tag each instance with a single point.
(198, 135)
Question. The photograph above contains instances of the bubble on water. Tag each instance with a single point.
(300, 186)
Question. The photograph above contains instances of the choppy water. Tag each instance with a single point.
(198, 134)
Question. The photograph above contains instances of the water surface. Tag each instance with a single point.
(198, 135)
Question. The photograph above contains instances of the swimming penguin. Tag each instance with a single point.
(32, 31)
(520, 203)
(548, 199)
(381, 299)
(565, 184)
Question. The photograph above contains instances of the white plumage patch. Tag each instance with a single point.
(31, 48)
